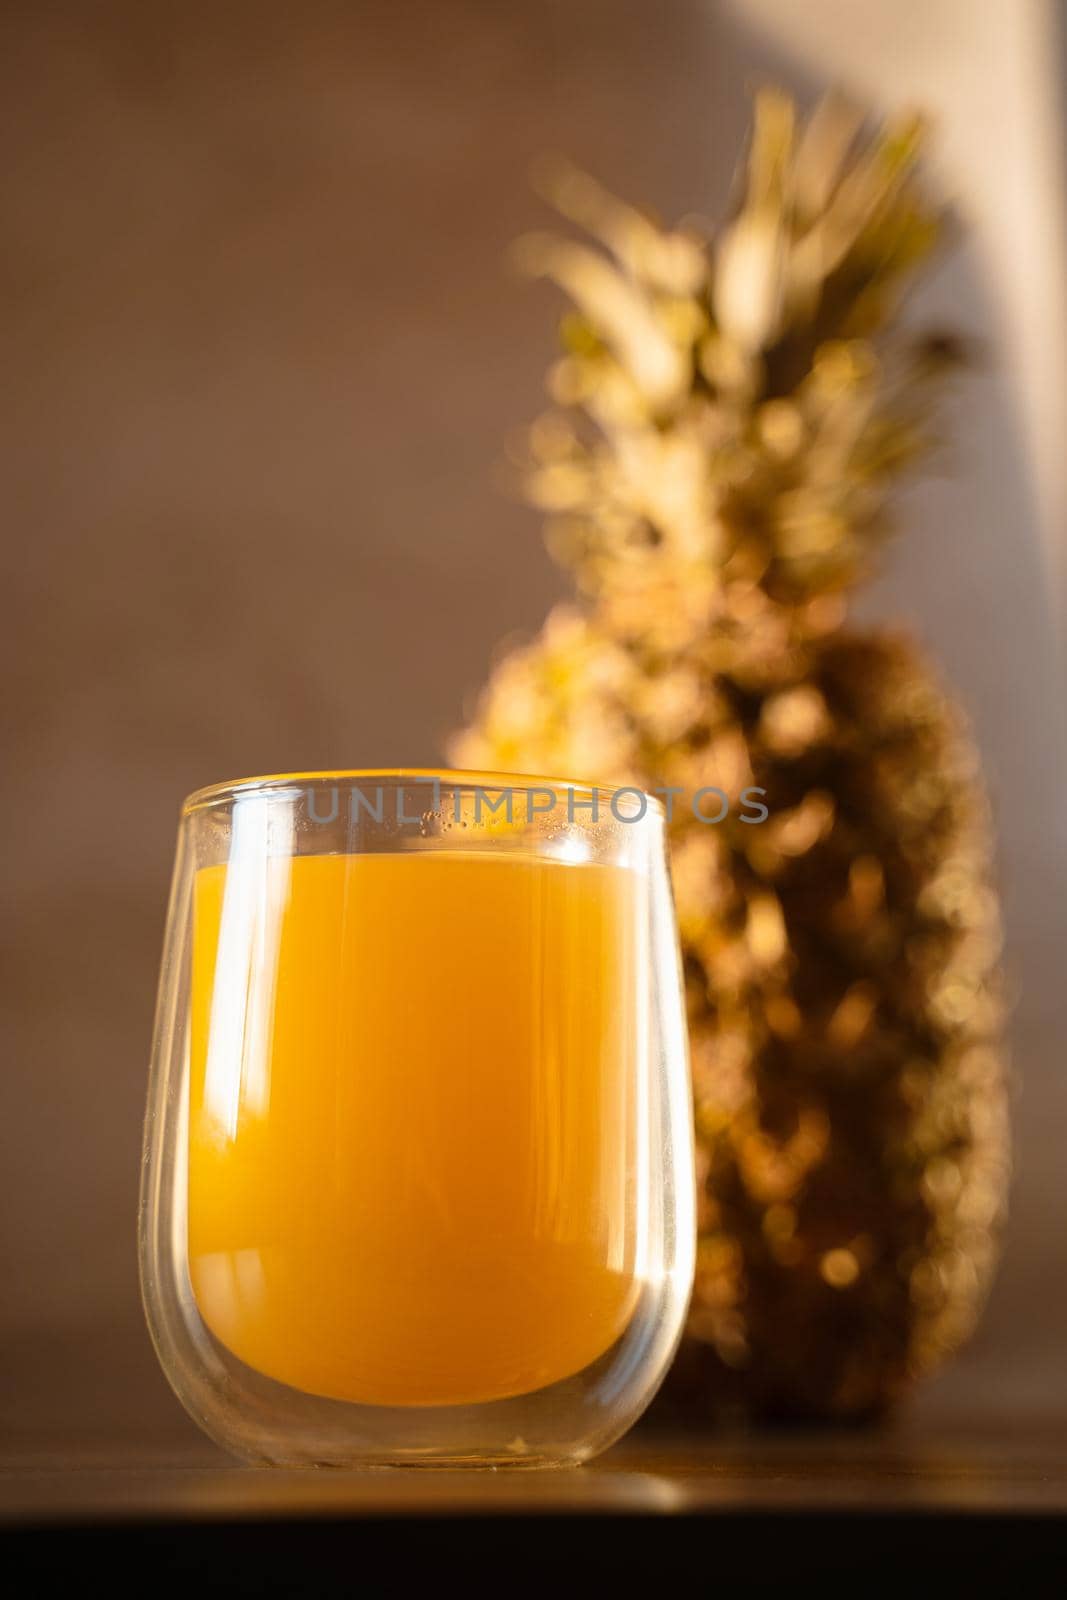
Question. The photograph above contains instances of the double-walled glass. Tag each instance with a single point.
(418, 1174)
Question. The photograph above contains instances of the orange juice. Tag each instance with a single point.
(411, 1120)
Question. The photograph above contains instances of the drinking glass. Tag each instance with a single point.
(418, 1172)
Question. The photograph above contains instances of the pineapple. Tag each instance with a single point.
(729, 420)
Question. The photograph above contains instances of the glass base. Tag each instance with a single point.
(267, 1423)
(428, 1462)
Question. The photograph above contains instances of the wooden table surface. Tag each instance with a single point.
(986, 1501)
(1022, 1473)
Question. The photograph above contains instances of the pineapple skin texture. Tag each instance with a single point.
(730, 420)
(841, 975)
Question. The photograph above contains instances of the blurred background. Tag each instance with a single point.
(262, 354)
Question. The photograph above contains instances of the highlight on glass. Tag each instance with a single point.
(418, 1171)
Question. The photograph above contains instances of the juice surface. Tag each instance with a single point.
(411, 1127)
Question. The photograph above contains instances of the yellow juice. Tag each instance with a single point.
(411, 1120)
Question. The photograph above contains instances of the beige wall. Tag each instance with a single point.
(261, 356)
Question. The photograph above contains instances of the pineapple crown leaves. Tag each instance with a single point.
(745, 403)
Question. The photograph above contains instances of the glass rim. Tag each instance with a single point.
(448, 777)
